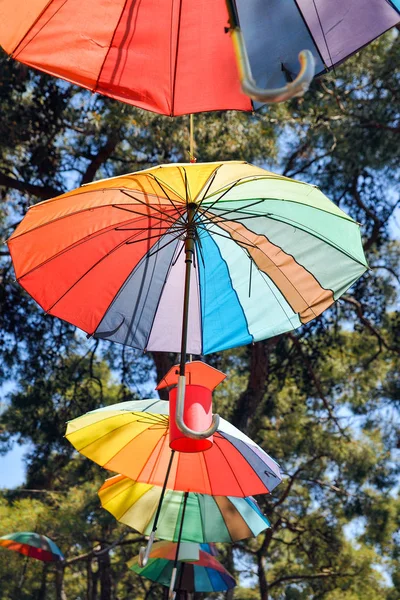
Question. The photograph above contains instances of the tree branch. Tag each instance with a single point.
(40, 191)
(100, 158)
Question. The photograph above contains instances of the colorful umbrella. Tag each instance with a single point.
(32, 545)
(207, 518)
(132, 438)
(205, 575)
(115, 258)
(176, 57)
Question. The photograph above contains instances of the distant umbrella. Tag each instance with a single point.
(32, 545)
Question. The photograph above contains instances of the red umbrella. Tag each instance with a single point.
(175, 56)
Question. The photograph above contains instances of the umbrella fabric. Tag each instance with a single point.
(175, 57)
(271, 253)
(33, 545)
(207, 518)
(132, 438)
(205, 575)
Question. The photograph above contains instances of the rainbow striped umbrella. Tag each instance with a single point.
(132, 438)
(207, 518)
(269, 254)
(32, 545)
(205, 575)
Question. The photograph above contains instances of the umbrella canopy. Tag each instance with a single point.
(175, 57)
(207, 518)
(132, 438)
(270, 253)
(205, 575)
(33, 545)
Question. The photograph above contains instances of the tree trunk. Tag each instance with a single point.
(163, 362)
(60, 592)
(263, 583)
(105, 576)
(42, 591)
(89, 580)
(249, 403)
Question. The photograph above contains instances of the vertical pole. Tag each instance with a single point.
(178, 545)
(144, 551)
(189, 252)
(191, 138)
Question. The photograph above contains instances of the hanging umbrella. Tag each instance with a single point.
(207, 518)
(132, 438)
(32, 545)
(205, 575)
(176, 57)
(115, 258)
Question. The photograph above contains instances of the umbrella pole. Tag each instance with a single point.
(180, 404)
(171, 594)
(144, 551)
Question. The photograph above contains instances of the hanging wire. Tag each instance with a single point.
(192, 157)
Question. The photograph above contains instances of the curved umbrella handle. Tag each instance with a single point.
(180, 404)
(295, 88)
(144, 551)
(171, 593)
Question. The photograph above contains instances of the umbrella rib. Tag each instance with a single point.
(177, 237)
(167, 195)
(150, 206)
(228, 189)
(165, 216)
(240, 210)
(158, 180)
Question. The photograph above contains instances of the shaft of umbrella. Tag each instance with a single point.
(144, 551)
(171, 595)
(180, 404)
(297, 87)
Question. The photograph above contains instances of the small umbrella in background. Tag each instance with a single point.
(189, 258)
(207, 518)
(32, 545)
(204, 575)
(177, 57)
